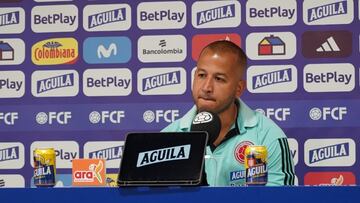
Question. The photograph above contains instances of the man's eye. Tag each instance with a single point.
(201, 75)
(219, 79)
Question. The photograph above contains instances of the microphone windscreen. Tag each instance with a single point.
(208, 122)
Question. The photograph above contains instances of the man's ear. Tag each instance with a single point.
(241, 87)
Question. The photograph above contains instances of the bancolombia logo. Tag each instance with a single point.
(164, 154)
(59, 18)
(328, 12)
(272, 79)
(162, 48)
(11, 155)
(336, 77)
(107, 82)
(107, 17)
(161, 15)
(12, 20)
(214, 14)
(161, 81)
(329, 152)
(55, 51)
(271, 13)
(55, 83)
(12, 84)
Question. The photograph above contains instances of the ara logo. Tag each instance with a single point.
(329, 152)
(270, 46)
(202, 40)
(162, 48)
(55, 51)
(12, 84)
(11, 155)
(107, 82)
(107, 17)
(65, 151)
(271, 13)
(161, 81)
(111, 151)
(271, 79)
(328, 12)
(213, 14)
(12, 20)
(161, 15)
(12, 51)
(55, 18)
(55, 83)
(337, 77)
(164, 154)
(88, 172)
(326, 44)
(99, 50)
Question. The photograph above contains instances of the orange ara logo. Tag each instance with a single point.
(55, 51)
(88, 172)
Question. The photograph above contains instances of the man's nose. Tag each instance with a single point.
(208, 85)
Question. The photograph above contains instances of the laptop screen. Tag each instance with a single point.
(163, 158)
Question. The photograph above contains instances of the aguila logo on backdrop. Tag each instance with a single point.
(55, 51)
(164, 154)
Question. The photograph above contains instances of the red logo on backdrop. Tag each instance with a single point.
(329, 178)
(239, 152)
(200, 41)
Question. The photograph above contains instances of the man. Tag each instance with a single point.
(217, 86)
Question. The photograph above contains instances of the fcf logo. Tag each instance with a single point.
(88, 172)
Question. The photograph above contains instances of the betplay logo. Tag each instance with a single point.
(336, 77)
(12, 181)
(161, 15)
(12, 20)
(107, 17)
(271, 13)
(214, 14)
(55, 18)
(12, 84)
(107, 82)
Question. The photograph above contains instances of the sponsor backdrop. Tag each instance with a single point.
(79, 75)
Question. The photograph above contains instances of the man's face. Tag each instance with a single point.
(216, 82)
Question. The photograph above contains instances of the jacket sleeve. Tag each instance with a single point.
(280, 163)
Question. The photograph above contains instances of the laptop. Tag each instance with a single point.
(162, 158)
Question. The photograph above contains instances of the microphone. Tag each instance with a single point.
(208, 122)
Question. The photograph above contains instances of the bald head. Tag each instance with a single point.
(225, 47)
